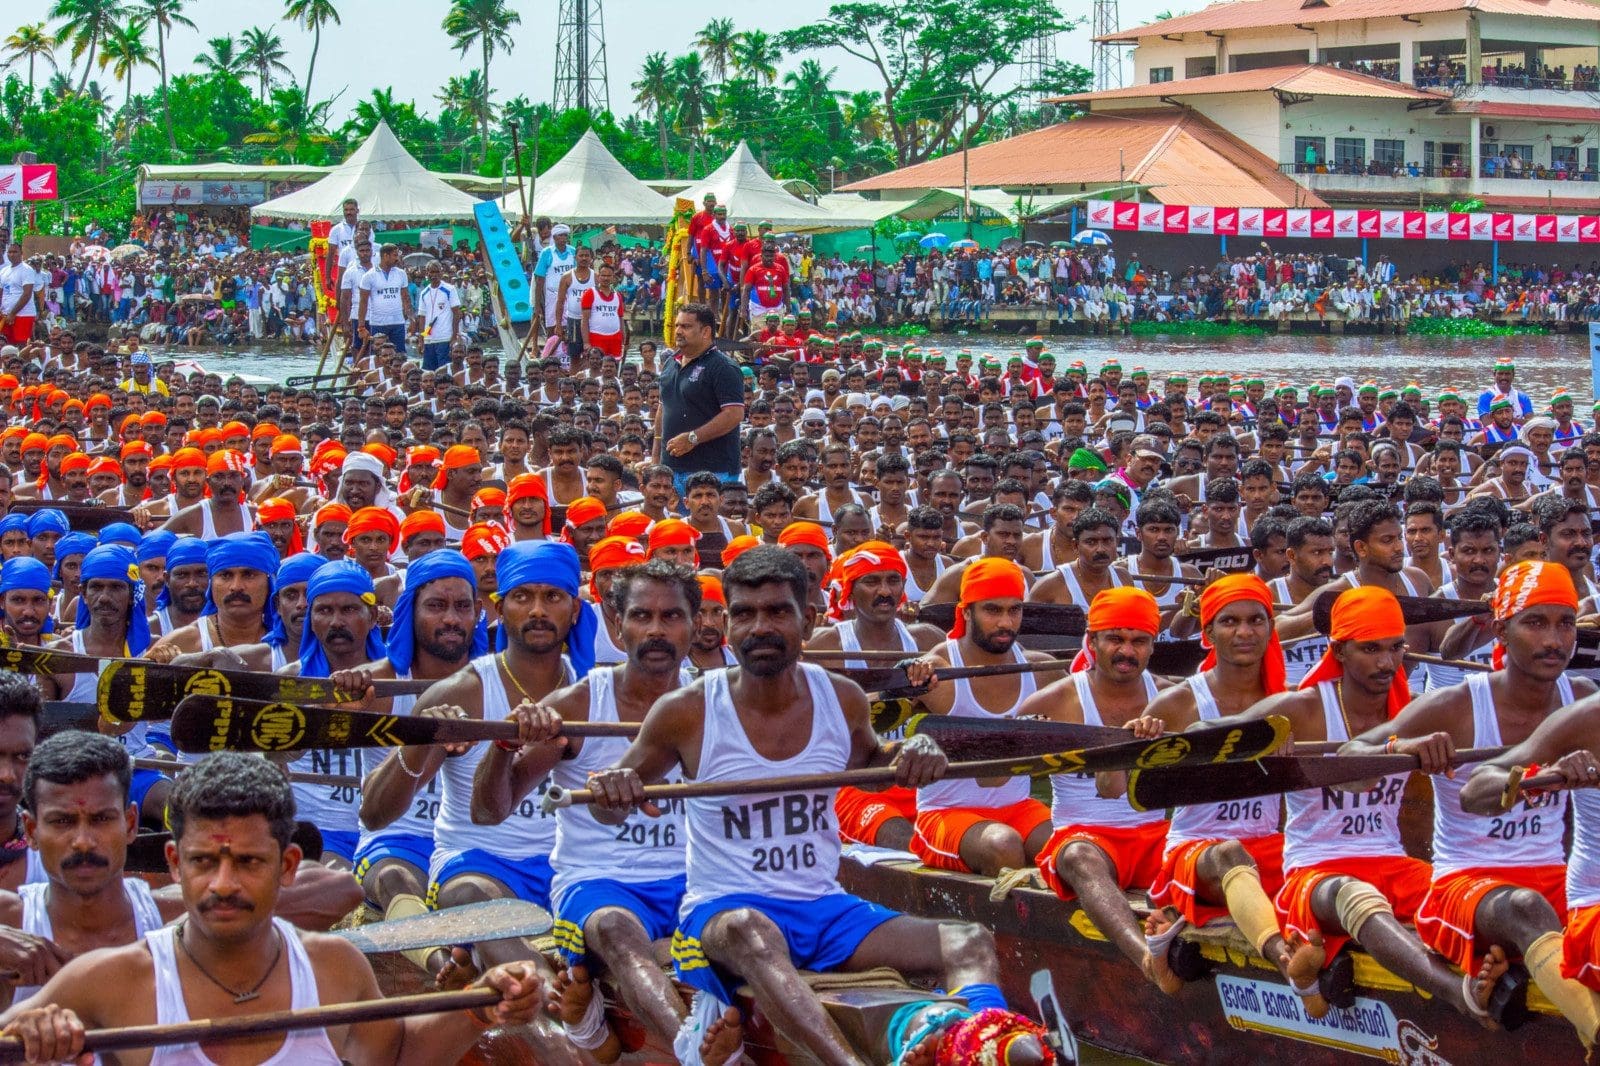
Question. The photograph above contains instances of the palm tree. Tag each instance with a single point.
(465, 95)
(653, 93)
(223, 60)
(261, 51)
(87, 24)
(31, 42)
(292, 123)
(811, 92)
(165, 14)
(864, 116)
(381, 106)
(125, 51)
(756, 54)
(716, 43)
(313, 15)
(486, 23)
(693, 93)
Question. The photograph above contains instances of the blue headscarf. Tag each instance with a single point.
(121, 533)
(295, 570)
(344, 575)
(13, 523)
(184, 551)
(435, 566)
(248, 551)
(155, 545)
(115, 562)
(545, 562)
(49, 520)
(26, 572)
(68, 546)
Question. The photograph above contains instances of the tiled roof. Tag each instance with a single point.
(1252, 14)
(1543, 112)
(1308, 79)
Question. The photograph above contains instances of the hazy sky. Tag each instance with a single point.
(398, 43)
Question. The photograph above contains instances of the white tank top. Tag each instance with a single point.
(279, 659)
(1075, 590)
(782, 845)
(605, 315)
(420, 813)
(825, 509)
(1047, 551)
(1240, 820)
(915, 592)
(35, 898)
(86, 689)
(305, 1047)
(641, 848)
(1169, 597)
(331, 807)
(1073, 799)
(560, 266)
(203, 625)
(606, 652)
(943, 795)
(528, 831)
(1583, 865)
(849, 641)
(1529, 835)
(1436, 676)
(1279, 587)
(576, 287)
(1330, 823)
(208, 525)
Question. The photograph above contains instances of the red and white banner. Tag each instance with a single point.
(28, 181)
(1323, 224)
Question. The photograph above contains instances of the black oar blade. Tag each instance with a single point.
(1418, 610)
(1158, 789)
(966, 739)
(1054, 619)
(222, 723)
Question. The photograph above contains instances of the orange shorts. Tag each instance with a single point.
(1175, 884)
(1404, 881)
(1580, 948)
(1135, 853)
(939, 833)
(862, 814)
(1447, 919)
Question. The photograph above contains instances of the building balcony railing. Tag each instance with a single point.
(1452, 77)
(1337, 174)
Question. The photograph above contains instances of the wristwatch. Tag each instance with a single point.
(694, 438)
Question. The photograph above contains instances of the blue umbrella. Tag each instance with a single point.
(935, 240)
(1091, 238)
(965, 242)
(907, 237)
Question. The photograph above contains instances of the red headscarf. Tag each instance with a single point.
(1233, 589)
(423, 455)
(368, 519)
(805, 533)
(1366, 612)
(456, 457)
(330, 512)
(581, 512)
(421, 522)
(484, 538)
(737, 547)
(987, 578)
(488, 497)
(612, 553)
(628, 524)
(672, 533)
(711, 589)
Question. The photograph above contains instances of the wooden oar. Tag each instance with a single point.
(1418, 610)
(495, 919)
(212, 1030)
(1231, 560)
(218, 723)
(1250, 740)
(889, 680)
(82, 517)
(133, 690)
(1439, 660)
(1158, 789)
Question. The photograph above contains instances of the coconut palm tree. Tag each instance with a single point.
(124, 51)
(693, 94)
(313, 15)
(222, 60)
(653, 93)
(381, 106)
(31, 42)
(810, 91)
(756, 55)
(292, 124)
(716, 43)
(486, 23)
(164, 14)
(466, 95)
(864, 116)
(87, 23)
(262, 51)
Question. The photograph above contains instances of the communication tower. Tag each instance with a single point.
(1107, 60)
(581, 57)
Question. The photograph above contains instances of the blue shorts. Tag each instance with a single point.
(821, 933)
(528, 879)
(654, 903)
(710, 272)
(340, 842)
(413, 848)
(396, 335)
(435, 356)
(141, 783)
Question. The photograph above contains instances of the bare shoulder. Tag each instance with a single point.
(462, 688)
(572, 702)
(1174, 705)
(1583, 686)
(928, 637)
(826, 637)
(340, 966)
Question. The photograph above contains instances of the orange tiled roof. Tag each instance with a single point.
(1252, 14)
(1183, 157)
(1545, 112)
(1308, 79)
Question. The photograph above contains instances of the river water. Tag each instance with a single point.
(1544, 362)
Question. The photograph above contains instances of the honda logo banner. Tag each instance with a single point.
(28, 181)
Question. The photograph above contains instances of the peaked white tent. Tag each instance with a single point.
(590, 187)
(752, 195)
(384, 179)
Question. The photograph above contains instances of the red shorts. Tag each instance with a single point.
(20, 331)
(1404, 881)
(1447, 919)
(939, 833)
(1175, 885)
(1135, 853)
(1580, 948)
(610, 343)
(862, 814)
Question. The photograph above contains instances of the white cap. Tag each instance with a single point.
(559, 228)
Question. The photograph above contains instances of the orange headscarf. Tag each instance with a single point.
(368, 519)
(805, 533)
(188, 458)
(1233, 589)
(423, 454)
(264, 431)
(484, 538)
(581, 512)
(869, 557)
(422, 522)
(737, 547)
(135, 447)
(612, 553)
(672, 533)
(106, 465)
(1534, 583)
(628, 524)
(987, 578)
(1366, 612)
(75, 462)
(329, 512)
(1122, 607)
(456, 457)
(287, 443)
(487, 497)
(278, 509)
(529, 487)
(711, 589)
(381, 452)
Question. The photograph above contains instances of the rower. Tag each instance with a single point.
(1474, 557)
(1512, 483)
(231, 817)
(585, 525)
(808, 542)
(608, 557)
(1055, 545)
(328, 525)
(616, 888)
(836, 468)
(69, 553)
(1227, 858)
(1424, 533)
(872, 585)
(1099, 847)
(966, 825)
(25, 600)
(224, 512)
(45, 527)
(1564, 526)
(1095, 538)
(924, 539)
(183, 594)
(673, 540)
(436, 631)
(763, 895)
(1157, 522)
(20, 708)
(708, 644)
(528, 508)
(1376, 539)
(1499, 884)
(371, 536)
(1346, 873)
(239, 606)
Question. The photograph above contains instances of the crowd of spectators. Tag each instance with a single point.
(1441, 73)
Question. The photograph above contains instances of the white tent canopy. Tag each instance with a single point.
(752, 196)
(384, 179)
(589, 187)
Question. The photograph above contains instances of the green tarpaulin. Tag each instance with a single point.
(276, 237)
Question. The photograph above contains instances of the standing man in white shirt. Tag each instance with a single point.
(557, 258)
(438, 318)
(342, 235)
(385, 300)
(349, 299)
(18, 307)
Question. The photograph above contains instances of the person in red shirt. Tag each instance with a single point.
(766, 285)
(803, 329)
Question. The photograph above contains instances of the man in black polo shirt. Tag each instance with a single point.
(702, 401)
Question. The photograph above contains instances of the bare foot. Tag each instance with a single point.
(1302, 960)
(458, 970)
(723, 1043)
(1160, 928)
(1481, 987)
(569, 1000)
